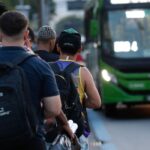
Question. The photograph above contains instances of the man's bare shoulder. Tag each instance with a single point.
(85, 73)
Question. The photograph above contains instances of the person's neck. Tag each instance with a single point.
(43, 47)
(12, 43)
(67, 57)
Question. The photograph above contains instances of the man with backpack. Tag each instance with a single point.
(28, 90)
(75, 83)
(46, 43)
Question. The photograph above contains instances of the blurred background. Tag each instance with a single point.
(59, 14)
(116, 37)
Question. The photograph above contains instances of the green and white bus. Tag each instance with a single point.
(121, 31)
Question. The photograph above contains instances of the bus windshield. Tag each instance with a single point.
(127, 33)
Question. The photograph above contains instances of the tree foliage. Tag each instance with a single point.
(35, 6)
(70, 22)
(52, 6)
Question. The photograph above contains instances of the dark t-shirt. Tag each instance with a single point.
(40, 76)
(48, 57)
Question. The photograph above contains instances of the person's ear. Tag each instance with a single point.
(1, 36)
(26, 34)
(49, 45)
(58, 48)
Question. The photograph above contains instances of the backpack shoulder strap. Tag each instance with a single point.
(22, 58)
(55, 67)
(71, 67)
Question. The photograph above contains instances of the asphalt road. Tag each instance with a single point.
(126, 129)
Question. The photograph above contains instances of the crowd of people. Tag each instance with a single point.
(17, 37)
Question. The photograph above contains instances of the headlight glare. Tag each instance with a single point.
(108, 76)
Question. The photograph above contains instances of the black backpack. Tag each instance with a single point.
(69, 95)
(17, 116)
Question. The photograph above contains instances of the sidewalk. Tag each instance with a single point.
(100, 138)
(93, 143)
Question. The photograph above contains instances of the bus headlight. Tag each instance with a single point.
(108, 76)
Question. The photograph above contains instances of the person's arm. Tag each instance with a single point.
(92, 98)
(62, 119)
(63, 122)
(50, 97)
(52, 106)
(52, 103)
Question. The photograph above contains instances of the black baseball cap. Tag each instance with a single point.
(69, 39)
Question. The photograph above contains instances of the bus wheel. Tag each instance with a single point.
(110, 109)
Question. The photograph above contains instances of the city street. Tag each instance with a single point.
(127, 129)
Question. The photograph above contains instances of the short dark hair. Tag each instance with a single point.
(3, 8)
(69, 41)
(31, 34)
(45, 34)
(12, 23)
